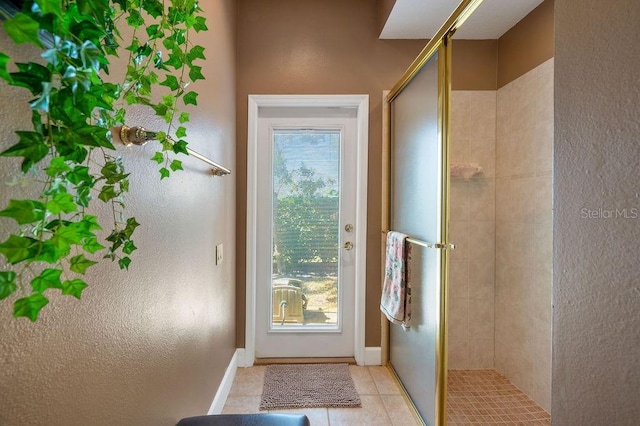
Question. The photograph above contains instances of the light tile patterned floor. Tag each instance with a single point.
(475, 397)
(382, 402)
(485, 397)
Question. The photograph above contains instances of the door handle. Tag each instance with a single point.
(348, 245)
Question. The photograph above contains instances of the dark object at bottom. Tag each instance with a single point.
(247, 420)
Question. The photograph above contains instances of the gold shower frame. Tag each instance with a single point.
(440, 44)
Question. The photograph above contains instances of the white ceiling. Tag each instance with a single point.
(419, 19)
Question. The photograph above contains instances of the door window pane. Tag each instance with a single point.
(305, 228)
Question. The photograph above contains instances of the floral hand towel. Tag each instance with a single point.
(396, 290)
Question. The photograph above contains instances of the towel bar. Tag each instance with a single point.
(442, 246)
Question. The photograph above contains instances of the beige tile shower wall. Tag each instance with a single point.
(472, 228)
(524, 232)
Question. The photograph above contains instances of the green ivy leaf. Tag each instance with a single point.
(171, 82)
(131, 226)
(164, 173)
(64, 237)
(184, 117)
(57, 167)
(135, 19)
(107, 193)
(7, 284)
(181, 132)
(94, 8)
(83, 195)
(24, 211)
(31, 146)
(129, 247)
(160, 109)
(30, 76)
(117, 238)
(42, 103)
(52, 56)
(23, 29)
(90, 56)
(70, 77)
(74, 287)
(157, 60)
(153, 7)
(16, 249)
(90, 223)
(50, 6)
(124, 263)
(49, 278)
(89, 135)
(62, 202)
(176, 165)
(196, 52)
(180, 147)
(36, 120)
(4, 60)
(92, 245)
(89, 30)
(153, 31)
(196, 73)
(175, 60)
(112, 171)
(29, 306)
(49, 253)
(200, 24)
(190, 98)
(158, 157)
(168, 42)
(80, 264)
(79, 174)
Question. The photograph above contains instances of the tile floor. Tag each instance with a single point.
(382, 401)
(475, 397)
(485, 397)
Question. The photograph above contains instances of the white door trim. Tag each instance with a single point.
(361, 103)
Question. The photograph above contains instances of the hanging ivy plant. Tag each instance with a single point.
(68, 149)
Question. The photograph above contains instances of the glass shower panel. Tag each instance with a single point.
(415, 211)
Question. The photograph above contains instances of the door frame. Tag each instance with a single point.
(361, 104)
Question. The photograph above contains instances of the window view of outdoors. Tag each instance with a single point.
(306, 183)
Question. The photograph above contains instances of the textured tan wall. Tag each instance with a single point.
(150, 346)
(527, 44)
(474, 65)
(596, 341)
(311, 47)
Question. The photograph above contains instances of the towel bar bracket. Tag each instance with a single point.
(444, 246)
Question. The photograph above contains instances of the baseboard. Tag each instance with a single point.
(225, 386)
(242, 358)
(373, 356)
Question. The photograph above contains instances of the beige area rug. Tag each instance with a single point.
(307, 386)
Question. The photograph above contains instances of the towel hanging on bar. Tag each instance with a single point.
(395, 302)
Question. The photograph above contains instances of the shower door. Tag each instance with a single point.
(418, 198)
(417, 172)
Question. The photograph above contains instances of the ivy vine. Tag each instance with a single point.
(68, 149)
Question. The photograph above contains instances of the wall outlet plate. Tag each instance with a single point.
(219, 254)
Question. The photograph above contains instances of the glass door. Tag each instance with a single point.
(415, 210)
(305, 284)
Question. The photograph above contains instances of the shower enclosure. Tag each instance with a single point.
(472, 168)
